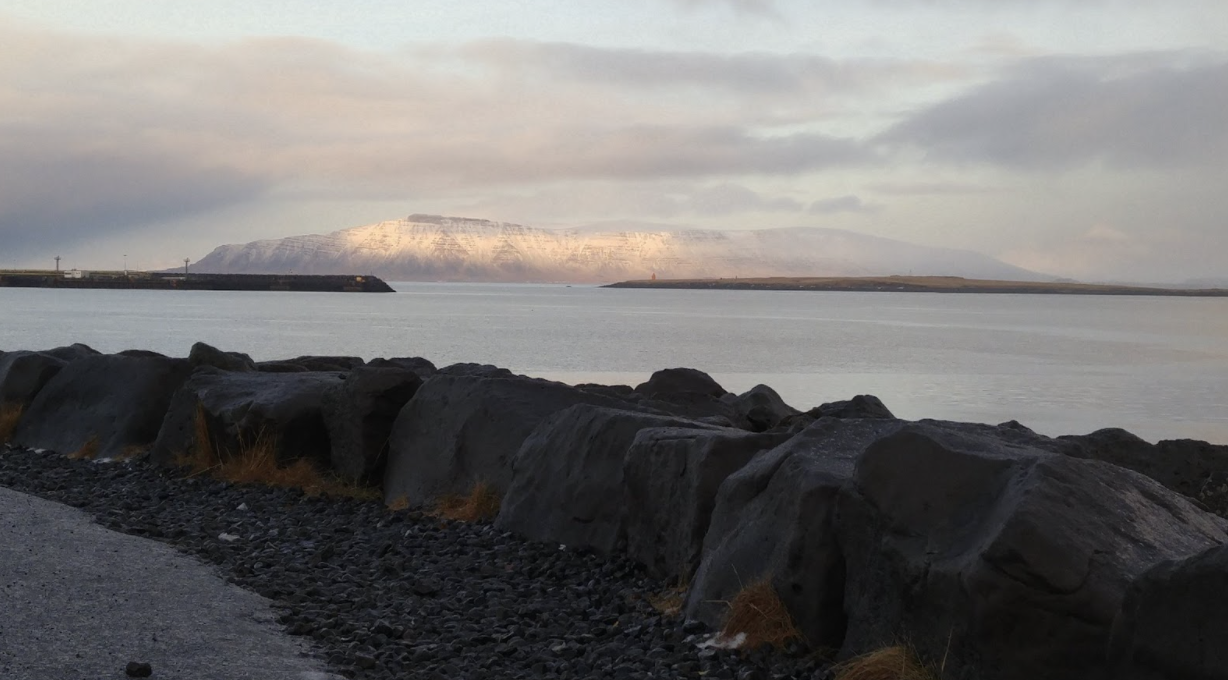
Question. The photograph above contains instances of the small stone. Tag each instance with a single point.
(138, 670)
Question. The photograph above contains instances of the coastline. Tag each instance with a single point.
(134, 280)
(916, 284)
(535, 529)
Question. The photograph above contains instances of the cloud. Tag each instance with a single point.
(655, 200)
(932, 188)
(766, 8)
(739, 73)
(103, 134)
(842, 204)
(1140, 111)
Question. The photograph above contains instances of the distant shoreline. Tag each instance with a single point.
(140, 280)
(917, 284)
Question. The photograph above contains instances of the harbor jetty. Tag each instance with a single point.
(73, 278)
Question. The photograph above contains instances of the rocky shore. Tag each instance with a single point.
(802, 538)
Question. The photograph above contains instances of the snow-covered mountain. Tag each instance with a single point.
(433, 248)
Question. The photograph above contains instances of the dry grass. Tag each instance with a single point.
(482, 503)
(88, 450)
(131, 452)
(892, 663)
(9, 415)
(670, 602)
(256, 463)
(758, 613)
(399, 503)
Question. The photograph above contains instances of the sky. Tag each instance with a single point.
(1080, 138)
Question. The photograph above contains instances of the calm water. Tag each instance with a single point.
(1061, 365)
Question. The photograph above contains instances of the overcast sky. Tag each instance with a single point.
(1083, 138)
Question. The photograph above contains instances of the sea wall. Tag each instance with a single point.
(993, 551)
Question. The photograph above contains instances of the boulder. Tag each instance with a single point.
(672, 382)
(422, 367)
(1174, 621)
(860, 406)
(1194, 468)
(23, 374)
(476, 370)
(309, 364)
(113, 403)
(761, 408)
(672, 476)
(241, 410)
(208, 355)
(985, 549)
(690, 394)
(775, 518)
(72, 352)
(567, 479)
(462, 429)
(359, 414)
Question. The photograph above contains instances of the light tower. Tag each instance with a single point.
(185, 266)
(57, 264)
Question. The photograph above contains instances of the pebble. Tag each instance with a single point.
(385, 595)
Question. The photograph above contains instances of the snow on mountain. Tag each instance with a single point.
(434, 248)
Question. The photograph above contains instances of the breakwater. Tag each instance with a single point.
(180, 281)
(856, 528)
(919, 284)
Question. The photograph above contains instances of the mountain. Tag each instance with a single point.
(434, 248)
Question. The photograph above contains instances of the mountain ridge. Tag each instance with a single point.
(438, 248)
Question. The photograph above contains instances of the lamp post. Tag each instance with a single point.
(185, 266)
(125, 264)
(57, 264)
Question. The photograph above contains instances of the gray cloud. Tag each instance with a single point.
(1142, 111)
(744, 73)
(842, 204)
(112, 134)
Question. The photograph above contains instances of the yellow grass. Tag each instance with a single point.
(399, 503)
(256, 463)
(892, 663)
(9, 415)
(482, 503)
(130, 452)
(758, 612)
(88, 450)
(670, 602)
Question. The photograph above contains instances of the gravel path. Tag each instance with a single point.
(396, 595)
(80, 601)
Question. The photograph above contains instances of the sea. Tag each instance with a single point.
(1156, 366)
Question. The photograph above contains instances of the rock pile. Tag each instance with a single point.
(993, 551)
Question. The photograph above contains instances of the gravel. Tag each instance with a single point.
(385, 594)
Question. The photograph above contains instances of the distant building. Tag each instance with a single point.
(76, 274)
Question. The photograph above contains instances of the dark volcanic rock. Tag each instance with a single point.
(360, 413)
(72, 352)
(486, 370)
(23, 374)
(422, 367)
(775, 518)
(762, 408)
(1194, 468)
(462, 429)
(114, 400)
(208, 355)
(860, 406)
(309, 364)
(1174, 621)
(567, 480)
(982, 546)
(240, 409)
(672, 477)
(671, 382)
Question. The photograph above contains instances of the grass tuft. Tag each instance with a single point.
(88, 450)
(481, 504)
(399, 503)
(891, 663)
(256, 463)
(10, 413)
(758, 613)
(670, 602)
(130, 452)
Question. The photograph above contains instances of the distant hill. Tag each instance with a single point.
(434, 248)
